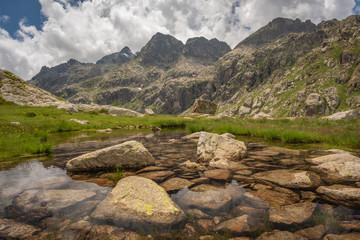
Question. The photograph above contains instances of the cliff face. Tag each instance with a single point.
(286, 68)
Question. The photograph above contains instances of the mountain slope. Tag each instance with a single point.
(287, 68)
(13, 89)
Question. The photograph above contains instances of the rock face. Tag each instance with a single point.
(14, 89)
(204, 107)
(136, 203)
(277, 28)
(212, 146)
(339, 167)
(291, 178)
(205, 51)
(130, 154)
(341, 194)
(163, 49)
(292, 214)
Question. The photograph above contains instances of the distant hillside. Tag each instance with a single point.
(15, 90)
(286, 68)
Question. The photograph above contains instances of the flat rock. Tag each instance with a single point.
(218, 174)
(10, 229)
(82, 122)
(339, 167)
(350, 225)
(349, 236)
(174, 184)
(277, 196)
(211, 145)
(313, 233)
(292, 214)
(219, 163)
(129, 154)
(151, 169)
(157, 176)
(208, 201)
(196, 213)
(277, 235)
(237, 225)
(341, 194)
(291, 178)
(350, 114)
(38, 204)
(137, 202)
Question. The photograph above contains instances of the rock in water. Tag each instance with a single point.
(292, 214)
(138, 203)
(341, 194)
(339, 167)
(212, 146)
(204, 107)
(291, 178)
(129, 154)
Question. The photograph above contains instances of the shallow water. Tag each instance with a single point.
(28, 190)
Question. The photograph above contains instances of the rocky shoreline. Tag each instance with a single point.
(204, 185)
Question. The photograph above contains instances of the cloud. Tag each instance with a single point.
(4, 18)
(88, 30)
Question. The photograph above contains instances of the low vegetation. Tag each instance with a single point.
(30, 130)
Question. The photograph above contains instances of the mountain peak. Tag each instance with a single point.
(163, 50)
(205, 51)
(276, 29)
(125, 55)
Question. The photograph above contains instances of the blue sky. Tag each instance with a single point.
(34, 33)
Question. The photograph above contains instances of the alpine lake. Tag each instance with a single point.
(251, 199)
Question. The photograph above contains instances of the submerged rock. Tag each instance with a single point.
(341, 194)
(338, 167)
(276, 235)
(138, 203)
(349, 236)
(292, 214)
(157, 176)
(34, 205)
(238, 225)
(212, 146)
(291, 178)
(174, 184)
(10, 229)
(313, 233)
(129, 154)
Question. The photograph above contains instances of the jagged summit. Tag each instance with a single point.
(205, 51)
(162, 50)
(124, 56)
(277, 28)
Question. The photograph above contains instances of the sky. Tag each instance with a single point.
(36, 33)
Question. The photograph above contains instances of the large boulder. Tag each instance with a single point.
(129, 154)
(350, 114)
(314, 105)
(204, 107)
(339, 167)
(341, 194)
(138, 203)
(211, 145)
(291, 178)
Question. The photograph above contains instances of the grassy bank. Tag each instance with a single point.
(33, 135)
(37, 124)
(343, 134)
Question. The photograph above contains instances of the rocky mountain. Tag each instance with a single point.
(124, 56)
(13, 89)
(286, 68)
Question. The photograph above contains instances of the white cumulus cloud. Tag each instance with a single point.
(89, 30)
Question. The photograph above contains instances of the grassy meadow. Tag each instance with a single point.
(37, 124)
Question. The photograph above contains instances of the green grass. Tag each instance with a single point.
(118, 175)
(36, 135)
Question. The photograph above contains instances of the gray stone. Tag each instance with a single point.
(314, 105)
(138, 202)
(212, 146)
(345, 115)
(129, 154)
(82, 122)
(339, 167)
(291, 178)
(149, 112)
(341, 194)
